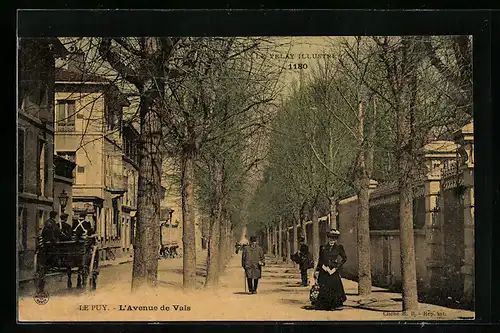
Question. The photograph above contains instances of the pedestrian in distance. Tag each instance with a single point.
(303, 244)
(331, 291)
(252, 260)
(305, 260)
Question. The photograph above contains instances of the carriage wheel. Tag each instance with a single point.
(39, 273)
(93, 271)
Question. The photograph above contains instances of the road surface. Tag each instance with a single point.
(279, 298)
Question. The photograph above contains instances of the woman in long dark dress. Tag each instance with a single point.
(331, 291)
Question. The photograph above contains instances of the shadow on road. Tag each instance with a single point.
(284, 283)
(169, 284)
(291, 301)
(310, 307)
(280, 276)
(373, 308)
(72, 291)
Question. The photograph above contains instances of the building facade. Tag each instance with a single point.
(64, 175)
(131, 172)
(35, 141)
(89, 132)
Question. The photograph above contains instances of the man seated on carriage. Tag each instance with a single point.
(51, 231)
(53, 234)
(66, 229)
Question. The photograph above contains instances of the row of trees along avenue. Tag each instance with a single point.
(202, 105)
(248, 155)
(363, 114)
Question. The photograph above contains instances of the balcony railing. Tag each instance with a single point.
(117, 182)
(65, 127)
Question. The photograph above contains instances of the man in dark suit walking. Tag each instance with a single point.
(252, 260)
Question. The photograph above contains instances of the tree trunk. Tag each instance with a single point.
(223, 243)
(288, 249)
(303, 228)
(295, 237)
(315, 235)
(145, 266)
(407, 245)
(363, 231)
(333, 213)
(406, 153)
(269, 241)
(363, 227)
(229, 241)
(408, 266)
(280, 240)
(212, 278)
(275, 228)
(161, 235)
(188, 231)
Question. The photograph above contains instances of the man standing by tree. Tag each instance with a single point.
(252, 260)
(304, 258)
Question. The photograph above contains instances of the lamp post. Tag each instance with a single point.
(63, 200)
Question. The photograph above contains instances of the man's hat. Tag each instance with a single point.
(333, 233)
(253, 239)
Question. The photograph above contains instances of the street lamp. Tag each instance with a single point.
(63, 200)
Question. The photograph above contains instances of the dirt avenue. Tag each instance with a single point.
(280, 297)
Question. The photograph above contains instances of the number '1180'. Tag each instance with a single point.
(297, 66)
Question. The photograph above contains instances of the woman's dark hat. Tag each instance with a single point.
(333, 233)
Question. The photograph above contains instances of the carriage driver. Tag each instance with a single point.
(51, 231)
(82, 227)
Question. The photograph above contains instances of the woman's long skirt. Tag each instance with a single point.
(331, 291)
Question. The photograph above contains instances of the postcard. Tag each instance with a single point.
(252, 178)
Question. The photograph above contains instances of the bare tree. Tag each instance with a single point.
(146, 63)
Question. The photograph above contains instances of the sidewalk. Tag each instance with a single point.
(387, 305)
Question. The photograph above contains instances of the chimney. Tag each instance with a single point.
(76, 62)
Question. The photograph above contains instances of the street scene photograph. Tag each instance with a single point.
(252, 178)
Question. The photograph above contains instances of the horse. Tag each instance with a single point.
(81, 229)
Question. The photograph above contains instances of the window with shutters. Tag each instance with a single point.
(65, 115)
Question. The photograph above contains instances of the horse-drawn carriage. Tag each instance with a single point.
(78, 255)
(169, 250)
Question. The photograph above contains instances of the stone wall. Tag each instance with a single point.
(443, 225)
